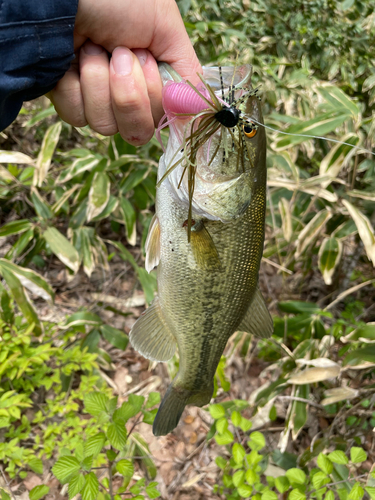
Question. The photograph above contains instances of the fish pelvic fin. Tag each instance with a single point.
(151, 335)
(173, 404)
(257, 319)
(203, 247)
(152, 245)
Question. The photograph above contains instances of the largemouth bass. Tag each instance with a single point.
(207, 280)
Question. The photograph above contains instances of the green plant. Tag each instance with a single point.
(63, 205)
(249, 470)
(43, 384)
(308, 371)
(85, 199)
(44, 370)
(321, 200)
(113, 442)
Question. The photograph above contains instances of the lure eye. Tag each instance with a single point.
(249, 130)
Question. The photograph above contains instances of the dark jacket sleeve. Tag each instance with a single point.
(36, 48)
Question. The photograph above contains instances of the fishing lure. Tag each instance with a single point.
(208, 115)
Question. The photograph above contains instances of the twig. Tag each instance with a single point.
(110, 478)
(7, 483)
(196, 449)
(348, 292)
(274, 224)
(272, 263)
(134, 457)
(135, 423)
(350, 263)
(302, 400)
(100, 484)
(272, 429)
(339, 482)
(354, 172)
(283, 347)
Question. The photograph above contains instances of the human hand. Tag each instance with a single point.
(123, 93)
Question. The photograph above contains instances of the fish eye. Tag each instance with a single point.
(249, 130)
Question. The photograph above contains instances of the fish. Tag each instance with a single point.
(207, 273)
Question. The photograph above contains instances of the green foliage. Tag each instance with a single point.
(314, 61)
(114, 440)
(45, 368)
(248, 472)
(28, 368)
(39, 492)
(70, 199)
(334, 38)
(321, 194)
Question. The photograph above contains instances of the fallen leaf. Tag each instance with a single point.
(338, 394)
(312, 375)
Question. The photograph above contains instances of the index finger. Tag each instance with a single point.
(171, 43)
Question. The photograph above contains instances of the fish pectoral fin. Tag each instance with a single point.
(152, 245)
(151, 336)
(203, 248)
(257, 319)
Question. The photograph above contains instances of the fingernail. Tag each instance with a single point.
(122, 60)
(141, 55)
(91, 49)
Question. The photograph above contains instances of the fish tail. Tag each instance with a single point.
(170, 410)
(173, 404)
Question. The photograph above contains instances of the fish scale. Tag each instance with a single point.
(208, 287)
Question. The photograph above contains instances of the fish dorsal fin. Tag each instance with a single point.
(151, 336)
(152, 245)
(203, 248)
(257, 319)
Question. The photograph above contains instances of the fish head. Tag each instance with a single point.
(228, 162)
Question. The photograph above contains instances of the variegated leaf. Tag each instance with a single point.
(50, 140)
(22, 299)
(318, 126)
(284, 162)
(333, 162)
(15, 157)
(317, 362)
(364, 195)
(286, 218)
(129, 219)
(369, 83)
(88, 253)
(98, 195)
(339, 100)
(77, 167)
(29, 279)
(363, 333)
(6, 175)
(313, 190)
(62, 248)
(365, 229)
(56, 206)
(329, 257)
(312, 230)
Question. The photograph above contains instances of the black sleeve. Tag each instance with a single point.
(36, 48)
